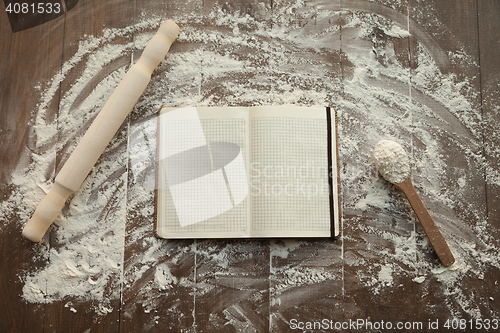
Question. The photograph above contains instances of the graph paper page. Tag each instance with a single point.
(219, 125)
(289, 172)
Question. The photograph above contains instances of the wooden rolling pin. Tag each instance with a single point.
(100, 133)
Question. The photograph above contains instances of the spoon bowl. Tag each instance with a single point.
(394, 165)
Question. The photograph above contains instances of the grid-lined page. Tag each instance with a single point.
(289, 174)
(232, 130)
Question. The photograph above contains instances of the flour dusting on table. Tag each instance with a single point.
(243, 61)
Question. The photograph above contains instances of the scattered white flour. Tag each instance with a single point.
(246, 61)
(164, 278)
(385, 275)
(419, 279)
(397, 32)
(392, 161)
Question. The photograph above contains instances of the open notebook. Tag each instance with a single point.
(235, 172)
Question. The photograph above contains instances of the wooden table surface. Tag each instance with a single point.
(435, 87)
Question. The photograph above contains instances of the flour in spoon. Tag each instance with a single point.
(392, 161)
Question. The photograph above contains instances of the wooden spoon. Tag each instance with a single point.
(393, 163)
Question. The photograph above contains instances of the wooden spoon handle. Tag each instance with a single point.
(436, 238)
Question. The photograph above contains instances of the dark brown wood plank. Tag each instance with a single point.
(76, 312)
(231, 275)
(18, 60)
(160, 287)
(453, 27)
(234, 46)
(379, 243)
(489, 49)
(488, 23)
(6, 133)
(305, 282)
(28, 58)
(232, 292)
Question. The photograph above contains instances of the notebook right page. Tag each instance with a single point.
(289, 172)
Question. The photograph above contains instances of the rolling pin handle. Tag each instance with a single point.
(46, 212)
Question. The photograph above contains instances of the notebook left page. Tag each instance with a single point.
(202, 178)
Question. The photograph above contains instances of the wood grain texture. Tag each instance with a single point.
(297, 294)
(18, 97)
(5, 123)
(91, 18)
(454, 28)
(370, 231)
(232, 277)
(490, 80)
(170, 309)
(489, 49)
(382, 269)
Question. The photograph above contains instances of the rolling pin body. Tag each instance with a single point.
(100, 133)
